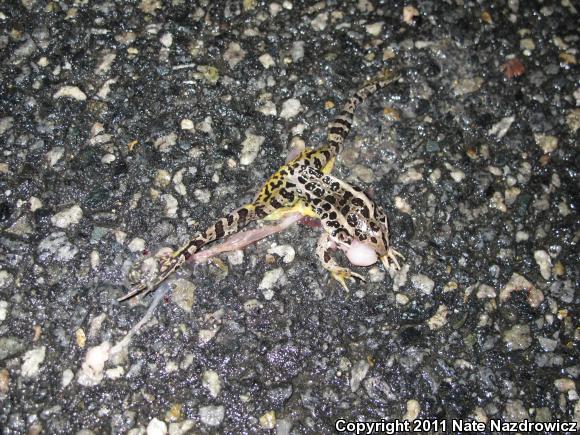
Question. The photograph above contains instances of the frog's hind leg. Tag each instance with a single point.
(339, 273)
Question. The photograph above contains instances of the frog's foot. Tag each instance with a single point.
(341, 274)
(391, 257)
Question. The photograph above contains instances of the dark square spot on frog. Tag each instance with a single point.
(358, 202)
(330, 199)
(326, 206)
(351, 219)
(365, 212)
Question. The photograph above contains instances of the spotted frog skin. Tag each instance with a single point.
(351, 221)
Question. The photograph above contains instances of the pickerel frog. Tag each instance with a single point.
(351, 221)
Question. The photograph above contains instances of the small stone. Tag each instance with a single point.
(56, 244)
(457, 175)
(287, 252)
(80, 337)
(183, 294)
(162, 178)
(211, 415)
(320, 21)
(409, 14)
(439, 319)
(171, 205)
(358, 372)
(91, 372)
(573, 120)
(423, 283)
(54, 155)
(250, 148)
(108, 158)
(410, 176)
(271, 277)
(519, 283)
(401, 299)
(267, 61)
(67, 217)
(547, 143)
(205, 126)
(234, 54)
(202, 195)
(564, 385)
(527, 44)
(297, 51)
(500, 128)
(3, 311)
(187, 124)
(544, 262)
(485, 291)
(290, 108)
(67, 377)
(413, 410)
(210, 380)
(156, 427)
(166, 40)
(364, 173)
(70, 92)
(374, 29)
(165, 143)
(518, 337)
(496, 201)
(6, 124)
(32, 360)
(547, 344)
(268, 420)
(136, 245)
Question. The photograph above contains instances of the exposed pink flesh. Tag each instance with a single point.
(245, 238)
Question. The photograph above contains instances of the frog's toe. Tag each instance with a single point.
(342, 274)
(391, 257)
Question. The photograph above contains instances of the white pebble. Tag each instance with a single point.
(31, 361)
(187, 124)
(156, 427)
(320, 21)
(136, 245)
(234, 54)
(374, 29)
(70, 92)
(286, 251)
(171, 205)
(67, 217)
(297, 51)
(35, 203)
(270, 278)
(413, 410)
(54, 155)
(3, 310)
(108, 158)
(423, 283)
(67, 377)
(95, 259)
(211, 415)
(250, 148)
(210, 380)
(290, 108)
(91, 373)
(543, 261)
(166, 40)
(267, 61)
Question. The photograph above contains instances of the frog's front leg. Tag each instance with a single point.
(341, 274)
